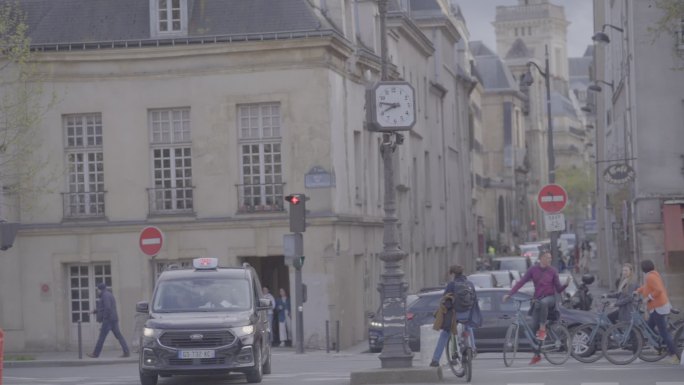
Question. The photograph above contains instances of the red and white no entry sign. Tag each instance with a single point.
(151, 240)
(552, 198)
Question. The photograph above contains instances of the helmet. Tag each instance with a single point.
(588, 279)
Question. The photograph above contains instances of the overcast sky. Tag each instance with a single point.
(479, 15)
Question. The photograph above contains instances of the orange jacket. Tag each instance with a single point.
(653, 286)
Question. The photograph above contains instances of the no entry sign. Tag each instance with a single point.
(552, 198)
(151, 240)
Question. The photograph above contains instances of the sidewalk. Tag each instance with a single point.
(111, 357)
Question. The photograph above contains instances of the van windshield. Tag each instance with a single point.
(202, 295)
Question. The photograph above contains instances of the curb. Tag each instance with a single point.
(61, 363)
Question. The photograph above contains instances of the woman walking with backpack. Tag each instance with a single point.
(459, 303)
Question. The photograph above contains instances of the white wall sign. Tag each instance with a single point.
(554, 222)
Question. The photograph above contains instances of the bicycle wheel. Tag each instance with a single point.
(586, 343)
(556, 347)
(454, 357)
(678, 337)
(621, 343)
(651, 353)
(510, 347)
(468, 363)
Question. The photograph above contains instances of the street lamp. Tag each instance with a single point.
(527, 80)
(602, 36)
(597, 88)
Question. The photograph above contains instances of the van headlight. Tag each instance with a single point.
(243, 330)
(376, 324)
(151, 333)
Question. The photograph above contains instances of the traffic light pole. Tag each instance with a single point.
(299, 305)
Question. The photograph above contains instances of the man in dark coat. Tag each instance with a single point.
(110, 321)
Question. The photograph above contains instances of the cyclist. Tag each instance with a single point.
(459, 300)
(658, 305)
(546, 285)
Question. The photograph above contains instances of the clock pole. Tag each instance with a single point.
(395, 350)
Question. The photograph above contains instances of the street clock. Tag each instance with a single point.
(391, 106)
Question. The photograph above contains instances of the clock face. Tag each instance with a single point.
(394, 105)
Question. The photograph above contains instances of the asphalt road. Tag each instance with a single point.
(333, 369)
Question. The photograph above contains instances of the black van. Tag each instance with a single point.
(205, 320)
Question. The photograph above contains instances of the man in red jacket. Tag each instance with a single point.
(546, 285)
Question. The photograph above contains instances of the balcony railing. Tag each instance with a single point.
(171, 200)
(83, 204)
(266, 197)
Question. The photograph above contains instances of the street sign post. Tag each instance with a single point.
(151, 240)
(554, 222)
(552, 198)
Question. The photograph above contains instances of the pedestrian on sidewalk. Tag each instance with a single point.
(110, 321)
(658, 305)
(270, 313)
(284, 318)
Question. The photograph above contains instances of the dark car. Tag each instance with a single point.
(496, 315)
(206, 320)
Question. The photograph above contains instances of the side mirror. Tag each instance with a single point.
(142, 307)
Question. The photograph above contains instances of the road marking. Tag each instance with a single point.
(600, 383)
(670, 383)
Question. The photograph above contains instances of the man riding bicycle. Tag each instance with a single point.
(459, 303)
(546, 285)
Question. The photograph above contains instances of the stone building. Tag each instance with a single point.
(197, 117)
(639, 131)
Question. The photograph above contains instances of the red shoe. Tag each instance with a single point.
(541, 335)
(535, 360)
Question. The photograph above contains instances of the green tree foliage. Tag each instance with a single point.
(21, 109)
(671, 24)
(579, 185)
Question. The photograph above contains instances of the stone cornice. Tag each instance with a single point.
(405, 26)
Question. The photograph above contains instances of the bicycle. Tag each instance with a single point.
(623, 342)
(556, 346)
(586, 338)
(460, 353)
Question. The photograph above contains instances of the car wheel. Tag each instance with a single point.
(267, 364)
(148, 378)
(256, 374)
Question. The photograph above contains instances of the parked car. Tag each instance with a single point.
(506, 278)
(515, 262)
(531, 250)
(496, 316)
(484, 279)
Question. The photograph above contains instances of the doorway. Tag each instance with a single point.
(273, 274)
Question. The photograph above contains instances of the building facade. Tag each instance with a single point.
(169, 116)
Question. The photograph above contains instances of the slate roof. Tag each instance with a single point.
(74, 21)
(562, 106)
(492, 71)
(519, 50)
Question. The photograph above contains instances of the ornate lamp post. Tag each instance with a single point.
(527, 80)
(391, 108)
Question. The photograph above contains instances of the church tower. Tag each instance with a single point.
(536, 23)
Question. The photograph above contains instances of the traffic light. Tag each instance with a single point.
(297, 212)
(533, 225)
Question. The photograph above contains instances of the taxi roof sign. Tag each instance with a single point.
(205, 263)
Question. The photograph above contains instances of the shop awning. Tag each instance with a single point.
(674, 226)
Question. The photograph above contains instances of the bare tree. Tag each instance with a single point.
(22, 106)
(672, 23)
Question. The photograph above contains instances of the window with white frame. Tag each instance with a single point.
(260, 157)
(169, 16)
(83, 279)
(85, 164)
(171, 161)
(161, 266)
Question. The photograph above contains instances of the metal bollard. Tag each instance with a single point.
(327, 336)
(337, 348)
(80, 342)
(2, 352)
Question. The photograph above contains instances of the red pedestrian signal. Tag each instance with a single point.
(533, 225)
(297, 212)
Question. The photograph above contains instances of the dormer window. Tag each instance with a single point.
(169, 17)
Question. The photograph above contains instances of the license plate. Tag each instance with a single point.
(196, 354)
